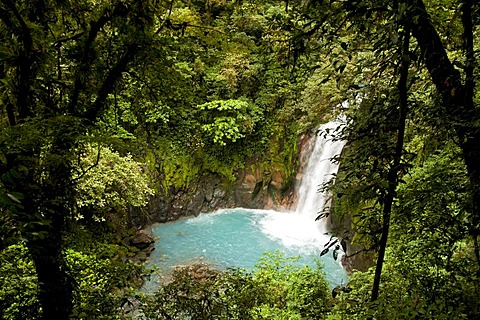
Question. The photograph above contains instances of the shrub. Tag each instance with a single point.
(108, 181)
(276, 289)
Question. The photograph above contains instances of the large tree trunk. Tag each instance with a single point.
(55, 288)
(471, 138)
(47, 207)
(457, 97)
(471, 153)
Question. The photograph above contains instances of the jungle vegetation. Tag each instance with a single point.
(105, 104)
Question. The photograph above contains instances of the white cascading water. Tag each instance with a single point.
(299, 228)
(319, 170)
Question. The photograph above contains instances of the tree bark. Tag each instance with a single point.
(49, 212)
(457, 97)
(55, 288)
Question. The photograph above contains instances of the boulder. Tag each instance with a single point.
(142, 240)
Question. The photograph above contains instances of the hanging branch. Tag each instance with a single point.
(95, 27)
(110, 80)
(85, 171)
(25, 59)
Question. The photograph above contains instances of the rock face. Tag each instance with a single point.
(204, 195)
(254, 187)
(141, 244)
(266, 189)
(356, 256)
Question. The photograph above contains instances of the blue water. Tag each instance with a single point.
(238, 238)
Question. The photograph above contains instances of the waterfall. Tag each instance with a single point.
(319, 170)
(299, 228)
(237, 237)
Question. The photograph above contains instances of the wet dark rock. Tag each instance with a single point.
(131, 306)
(142, 240)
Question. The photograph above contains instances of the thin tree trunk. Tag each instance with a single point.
(395, 169)
(467, 22)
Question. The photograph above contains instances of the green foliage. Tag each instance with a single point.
(430, 268)
(175, 165)
(193, 293)
(18, 284)
(362, 182)
(290, 291)
(277, 289)
(11, 205)
(59, 63)
(228, 120)
(435, 197)
(109, 182)
(103, 281)
(404, 292)
(103, 278)
(211, 94)
(433, 230)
